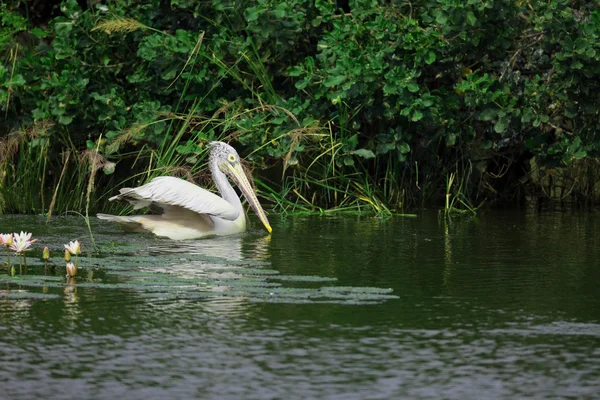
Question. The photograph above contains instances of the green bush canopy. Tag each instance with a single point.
(346, 105)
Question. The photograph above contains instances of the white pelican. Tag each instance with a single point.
(187, 211)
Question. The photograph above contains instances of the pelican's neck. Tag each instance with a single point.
(224, 187)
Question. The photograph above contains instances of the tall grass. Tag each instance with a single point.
(456, 198)
(28, 165)
(23, 169)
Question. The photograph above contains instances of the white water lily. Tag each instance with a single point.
(74, 247)
(6, 239)
(71, 269)
(21, 242)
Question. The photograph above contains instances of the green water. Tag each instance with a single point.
(503, 306)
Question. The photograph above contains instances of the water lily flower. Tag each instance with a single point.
(21, 242)
(46, 254)
(6, 239)
(71, 269)
(67, 255)
(74, 247)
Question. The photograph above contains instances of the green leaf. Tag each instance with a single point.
(595, 17)
(385, 148)
(441, 18)
(18, 80)
(580, 154)
(364, 153)
(471, 19)
(488, 114)
(403, 148)
(65, 119)
(295, 70)
(416, 116)
(451, 139)
(570, 112)
(301, 84)
(62, 26)
(591, 53)
(502, 124)
(38, 113)
(252, 13)
(334, 80)
(413, 87)
(430, 57)
(528, 115)
(280, 11)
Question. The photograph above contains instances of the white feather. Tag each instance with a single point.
(171, 191)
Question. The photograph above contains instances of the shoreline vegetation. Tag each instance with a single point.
(336, 106)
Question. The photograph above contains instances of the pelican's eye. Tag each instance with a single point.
(232, 158)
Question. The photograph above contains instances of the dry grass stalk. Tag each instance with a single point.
(66, 157)
(118, 25)
(296, 137)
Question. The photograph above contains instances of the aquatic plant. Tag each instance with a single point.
(71, 269)
(7, 239)
(73, 248)
(46, 257)
(457, 201)
(25, 295)
(22, 243)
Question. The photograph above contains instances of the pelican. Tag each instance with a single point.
(186, 211)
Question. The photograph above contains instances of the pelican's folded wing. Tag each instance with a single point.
(171, 191)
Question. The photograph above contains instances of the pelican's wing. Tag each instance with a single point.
(171, 191)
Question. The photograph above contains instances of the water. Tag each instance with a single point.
(503, 306)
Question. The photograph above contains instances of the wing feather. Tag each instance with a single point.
(173, 191)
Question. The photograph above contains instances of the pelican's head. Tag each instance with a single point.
(227, 160)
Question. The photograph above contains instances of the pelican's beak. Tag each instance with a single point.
(236, 172)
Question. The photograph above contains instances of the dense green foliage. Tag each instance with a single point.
(352, 104)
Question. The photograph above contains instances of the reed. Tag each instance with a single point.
(456, 198)
(23, 167)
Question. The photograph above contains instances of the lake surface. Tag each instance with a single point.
(502, 306)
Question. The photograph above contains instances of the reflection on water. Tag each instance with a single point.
(503, 306)
(235, 247)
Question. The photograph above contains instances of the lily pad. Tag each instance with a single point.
(22, 294)
(303, 278)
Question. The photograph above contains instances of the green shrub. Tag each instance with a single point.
(359, 104)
